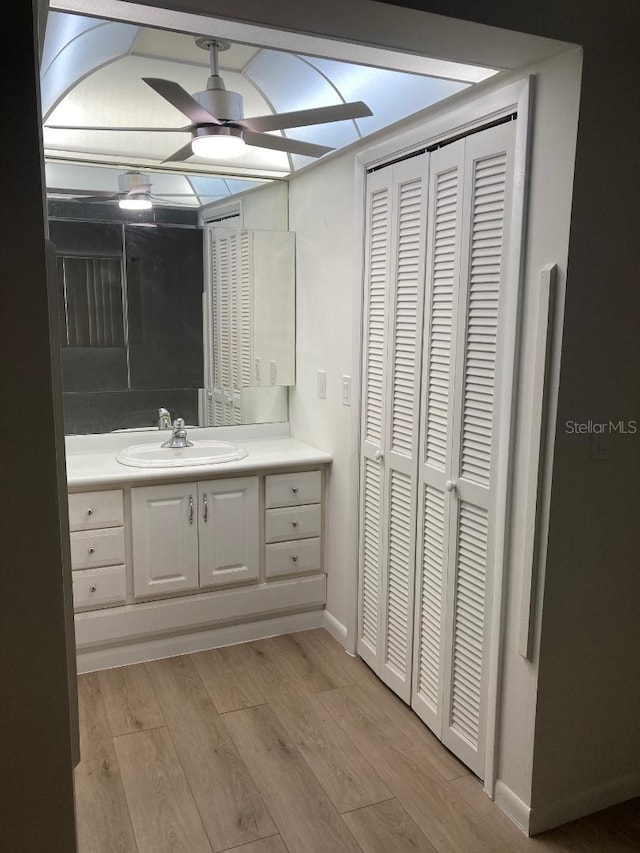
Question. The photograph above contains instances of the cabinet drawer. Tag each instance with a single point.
(89, 510)
(293, 489)
(299, 522)
(288, 558)
(99, 587)
(97, 548)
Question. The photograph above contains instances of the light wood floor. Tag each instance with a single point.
(286, 745)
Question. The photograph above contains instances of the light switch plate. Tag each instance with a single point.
(322, 384)
(346, 390)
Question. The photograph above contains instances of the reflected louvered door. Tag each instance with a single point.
(234, 399)
(406, 291)
(374, 378)
(444, 243)
(476, 389)
(225, 283)
(216, 402)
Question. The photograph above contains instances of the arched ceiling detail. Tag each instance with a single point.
(92, 74)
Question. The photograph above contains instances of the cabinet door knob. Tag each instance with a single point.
(294, 489)
(91, 550)
(294, 523)
(190, 509)
(378, 455)
(450, 485)
(89, 512)
(294, 558)
(206, 507)
(92, 588)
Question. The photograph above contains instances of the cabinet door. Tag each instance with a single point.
(165, 539)
(228, 531)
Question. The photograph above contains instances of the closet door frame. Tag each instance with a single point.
(445, 122)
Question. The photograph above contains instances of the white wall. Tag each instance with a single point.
(322, 213)
(266, 207)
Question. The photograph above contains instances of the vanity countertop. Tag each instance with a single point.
(97, 468)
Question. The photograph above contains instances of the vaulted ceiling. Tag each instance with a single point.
(92, 72)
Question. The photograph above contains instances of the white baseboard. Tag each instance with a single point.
(584, 802)
(139, 651)
(512, 806)
(199, 612)
(337, 630)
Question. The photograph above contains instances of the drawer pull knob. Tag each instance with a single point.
(294, 557)
(91, 550)
(294, 489)
(92, 588)
(294, 523)
(89, 512)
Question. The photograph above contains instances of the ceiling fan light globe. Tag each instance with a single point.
(218, 146)
(135, 203)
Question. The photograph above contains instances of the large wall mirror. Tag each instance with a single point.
(168, 311)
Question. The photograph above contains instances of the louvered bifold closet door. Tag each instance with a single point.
(444, 242)
(487, 202)
(377, 253)
(406, 291)
(394, 286)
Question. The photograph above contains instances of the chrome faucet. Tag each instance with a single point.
(179, 436)
(164, 418)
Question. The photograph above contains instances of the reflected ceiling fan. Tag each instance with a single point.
(134, 193)
(218, 128)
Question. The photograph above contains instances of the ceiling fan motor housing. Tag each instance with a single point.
(134, 182)
(224, 105)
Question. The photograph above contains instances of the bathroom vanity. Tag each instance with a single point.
(173, 559)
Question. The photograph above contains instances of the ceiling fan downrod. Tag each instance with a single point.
(226, 106)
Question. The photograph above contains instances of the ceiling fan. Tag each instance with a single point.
(218, 128)
(134, 193)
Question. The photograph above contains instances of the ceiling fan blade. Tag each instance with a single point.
(95, 194)
(181, 100)
(280, 143)
(304, 118)
(181, 154)
(186, 129)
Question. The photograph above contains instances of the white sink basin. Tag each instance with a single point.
(200, 453)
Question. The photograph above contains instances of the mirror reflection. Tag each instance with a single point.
(165, 315)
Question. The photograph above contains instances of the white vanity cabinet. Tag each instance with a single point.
(175, 560)
(188, 536)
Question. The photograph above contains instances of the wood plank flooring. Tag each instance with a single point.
(286, 745)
